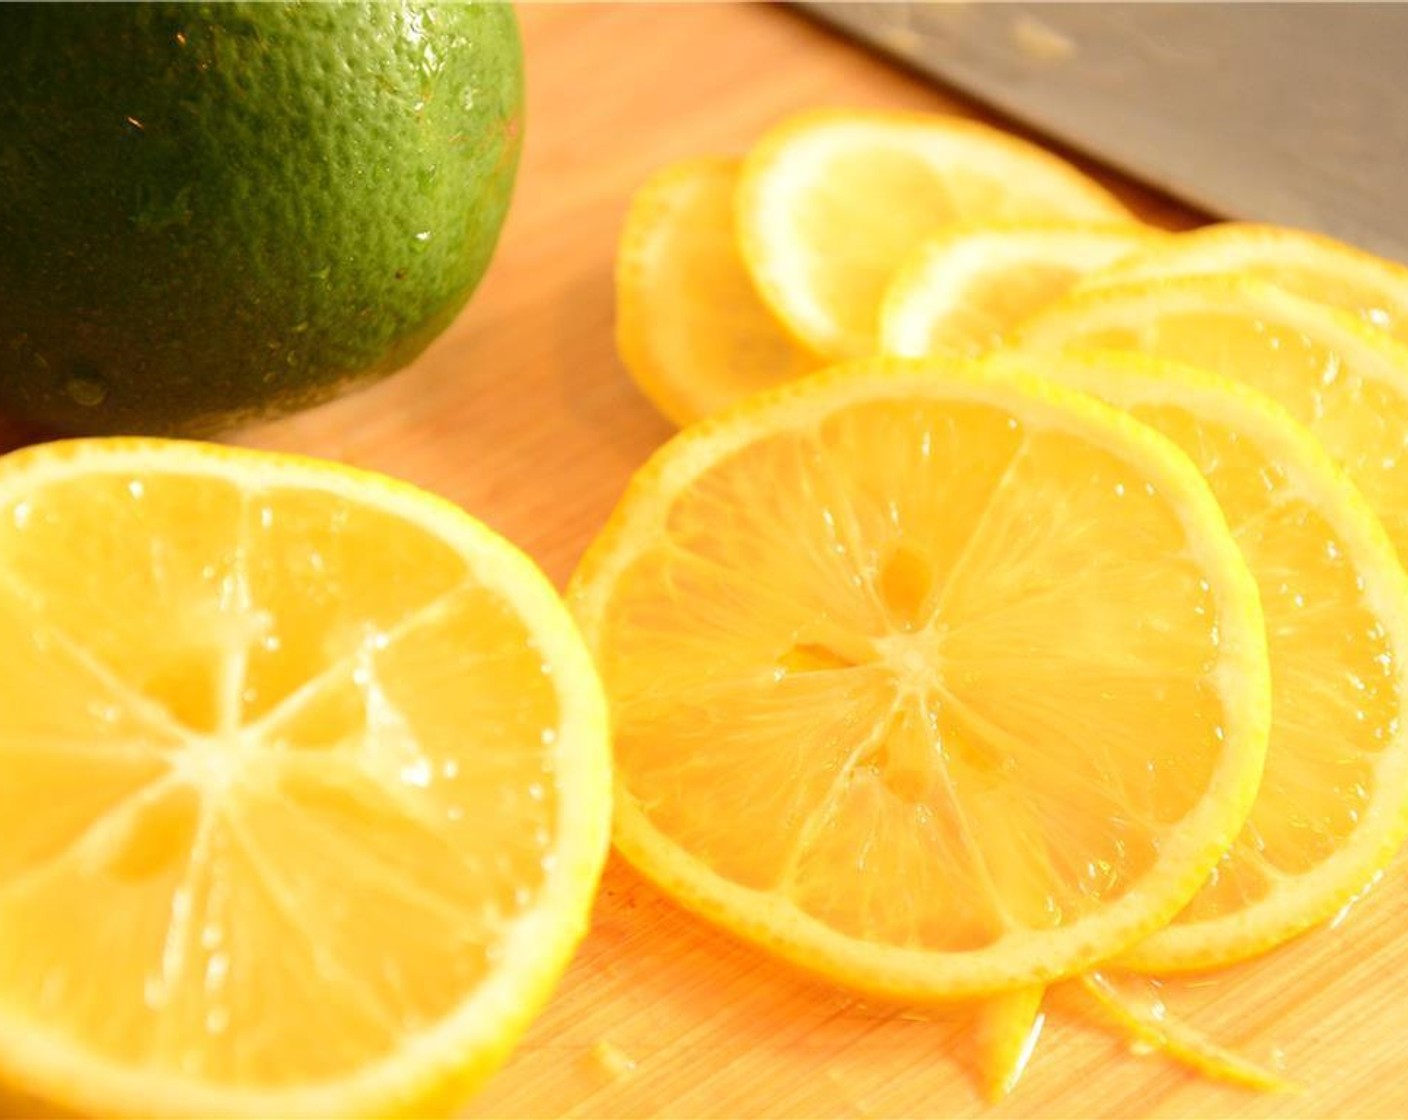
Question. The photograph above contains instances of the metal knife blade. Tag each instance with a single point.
(1287, 112)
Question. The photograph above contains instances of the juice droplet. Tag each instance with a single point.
(217, 1019)
(612, 1059)
(86, 391)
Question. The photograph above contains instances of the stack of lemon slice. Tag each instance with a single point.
(1062, 624)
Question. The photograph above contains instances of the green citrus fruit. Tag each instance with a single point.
(216, 212)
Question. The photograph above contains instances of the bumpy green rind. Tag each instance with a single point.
(211, 213)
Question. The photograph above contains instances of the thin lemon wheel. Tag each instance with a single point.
(935, 681)
(1346, 382)
(304, 786)
(1333, 803)
(690, 328)
(1307, 264)
(830, 202)
(962, 290)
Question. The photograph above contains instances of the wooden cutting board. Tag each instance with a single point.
(522, 414)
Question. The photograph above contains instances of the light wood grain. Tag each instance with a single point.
(522, 414)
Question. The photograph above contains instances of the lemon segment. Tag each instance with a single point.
(1005, 1033)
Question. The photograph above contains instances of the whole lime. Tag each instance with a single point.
(211, 213)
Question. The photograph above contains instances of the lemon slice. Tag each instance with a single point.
(934, 681)
(303, 786)
(1333, 804)
(690, 327)
(1347, 383)
(960, 291)
(830, 203)
(1308, 264)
